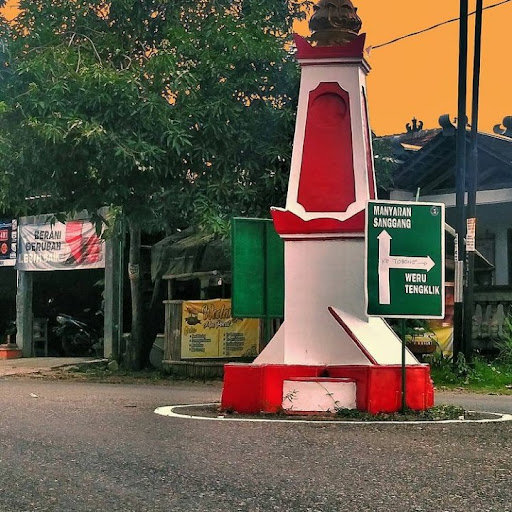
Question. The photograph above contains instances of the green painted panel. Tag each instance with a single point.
(258, 269)
(274, 272)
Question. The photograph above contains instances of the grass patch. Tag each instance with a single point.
(437, 413)
(481, 375)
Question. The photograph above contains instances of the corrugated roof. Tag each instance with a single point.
(189, 252)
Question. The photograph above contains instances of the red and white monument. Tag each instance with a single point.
(328, 353)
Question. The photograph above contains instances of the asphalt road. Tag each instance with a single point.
(68, 446)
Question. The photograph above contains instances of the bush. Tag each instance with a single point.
(504, 345)
(445, 371)
(481, 374)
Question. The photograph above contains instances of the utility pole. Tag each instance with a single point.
(460, 182)
(472, 188)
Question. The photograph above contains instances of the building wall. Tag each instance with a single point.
(494, 216)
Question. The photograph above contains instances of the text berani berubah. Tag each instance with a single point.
(46, 247)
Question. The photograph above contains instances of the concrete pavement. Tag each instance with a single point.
(78, 446)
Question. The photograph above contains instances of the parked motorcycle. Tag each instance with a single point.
(77, 338)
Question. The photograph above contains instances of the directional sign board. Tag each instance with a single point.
(405, 259)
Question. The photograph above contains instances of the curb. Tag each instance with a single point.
(170, 412)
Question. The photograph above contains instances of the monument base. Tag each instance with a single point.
(254, 389)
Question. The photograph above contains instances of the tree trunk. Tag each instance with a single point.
(151, 322)
(134, 347)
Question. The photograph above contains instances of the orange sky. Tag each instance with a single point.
(418, 76)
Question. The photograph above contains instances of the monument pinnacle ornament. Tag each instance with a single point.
(334, 23)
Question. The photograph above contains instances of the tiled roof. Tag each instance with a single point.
(432, 167)
(414, 138)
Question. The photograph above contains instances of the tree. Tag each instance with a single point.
(386, 162)
(175, 113)
(240, 96)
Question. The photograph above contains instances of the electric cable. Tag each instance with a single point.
(434, 26)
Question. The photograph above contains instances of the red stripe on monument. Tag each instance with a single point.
(327, 174)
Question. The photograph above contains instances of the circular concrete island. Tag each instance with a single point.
(438, 414)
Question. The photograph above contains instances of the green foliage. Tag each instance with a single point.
(481, 375)
(385, 163)
(437, 413)
(177, 112)
(504, 344)
(490, 374)
(81, 121)
(445, 371)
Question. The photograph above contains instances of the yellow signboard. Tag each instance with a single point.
(443, 329)
(209, 331)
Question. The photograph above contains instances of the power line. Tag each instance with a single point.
(435, 26)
